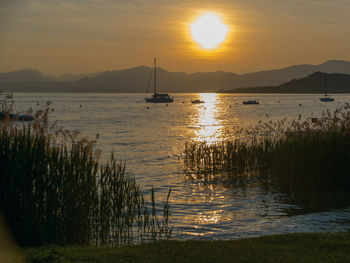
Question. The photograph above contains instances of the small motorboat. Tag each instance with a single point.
(25, 117)
(249, 102)
(7, 105)
(197, 101)
(15, 117)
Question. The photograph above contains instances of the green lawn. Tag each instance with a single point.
(279, 248)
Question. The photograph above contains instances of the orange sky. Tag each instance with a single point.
(78, 36)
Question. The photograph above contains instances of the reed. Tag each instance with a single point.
(310, 155)
(55, 190)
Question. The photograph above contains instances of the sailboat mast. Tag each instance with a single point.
(155, 75)
(325, 84)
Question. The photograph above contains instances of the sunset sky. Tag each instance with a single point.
(83, 36)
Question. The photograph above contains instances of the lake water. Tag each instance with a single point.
(151, 141)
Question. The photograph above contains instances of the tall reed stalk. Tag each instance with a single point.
(55, 190)
(302, 156)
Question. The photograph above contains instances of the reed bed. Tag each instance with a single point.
(311, 155)
(55, 190)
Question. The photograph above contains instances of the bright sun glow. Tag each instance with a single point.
(209, 31)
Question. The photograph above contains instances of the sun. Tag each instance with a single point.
(208, 31)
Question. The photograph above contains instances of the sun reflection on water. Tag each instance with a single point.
(209, 126)
(211, 217)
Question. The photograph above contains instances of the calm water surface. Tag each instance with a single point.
(151, 141)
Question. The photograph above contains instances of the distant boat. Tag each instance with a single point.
(7, 109)
(248, 102)
(197, 101)
(157, 97)
(325, 98)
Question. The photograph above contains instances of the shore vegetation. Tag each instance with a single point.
(305, 156)
(54, 189)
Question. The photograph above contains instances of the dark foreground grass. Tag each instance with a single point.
(279, 248)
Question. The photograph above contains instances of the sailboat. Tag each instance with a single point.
(157, 97)
(325, 98)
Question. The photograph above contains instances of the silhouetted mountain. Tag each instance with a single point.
(72, 77)
(136, 79)
(276, 77)
(24, 75)
(335, 66)
(314, 83)
(129, 80)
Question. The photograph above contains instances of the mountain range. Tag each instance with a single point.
(313, 83)
(136, 79)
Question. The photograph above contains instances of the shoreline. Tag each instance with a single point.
(296, 247)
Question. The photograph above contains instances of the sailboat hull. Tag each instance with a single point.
(326, 99)
(159, 100)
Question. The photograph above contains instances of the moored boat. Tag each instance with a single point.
(197, 101)
(326, 98)
(7, 105)
(157, 97)
(248, 102)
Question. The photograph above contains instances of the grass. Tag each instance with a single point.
(55, 190)
(310, 156)
(279, 248)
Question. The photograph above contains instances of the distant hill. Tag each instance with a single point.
(135, 79)
(24, 75)
(313, 83)
(72, 77)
